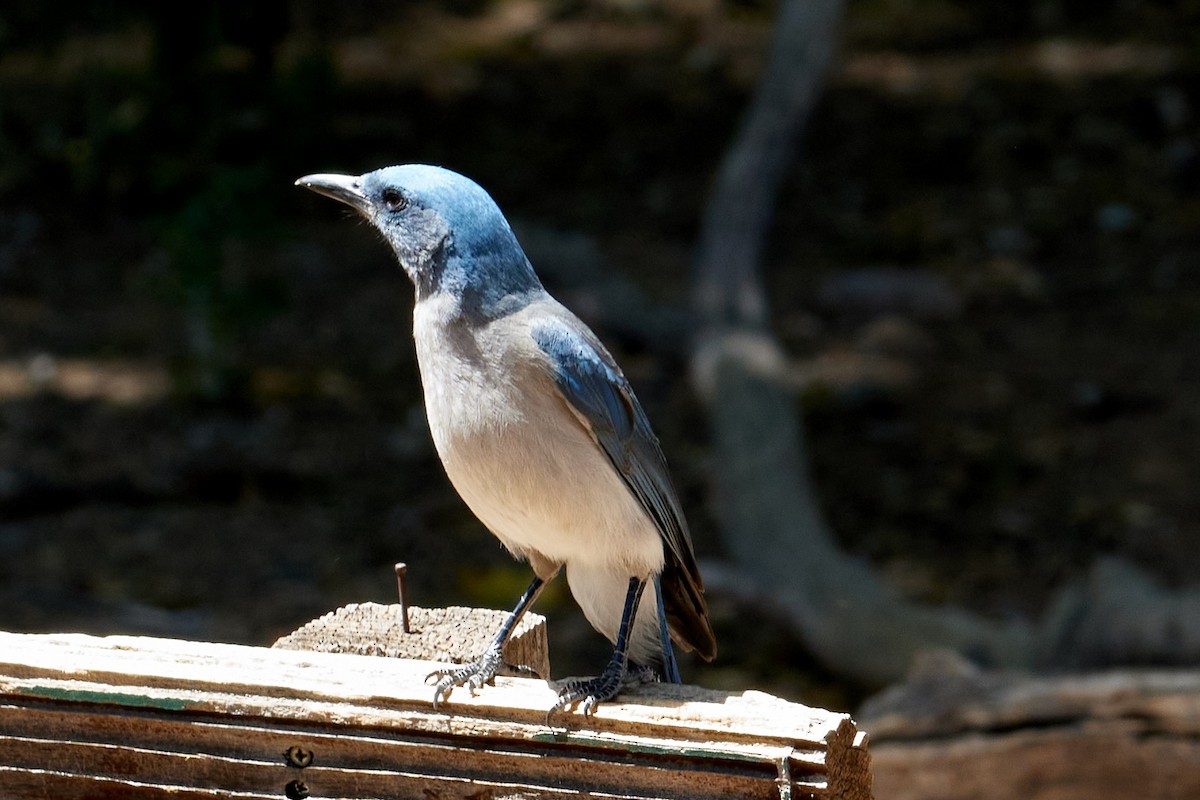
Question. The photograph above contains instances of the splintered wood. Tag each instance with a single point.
(132, 717)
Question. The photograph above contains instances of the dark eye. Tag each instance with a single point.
(393, 200)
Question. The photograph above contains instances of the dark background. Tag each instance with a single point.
(985, 259)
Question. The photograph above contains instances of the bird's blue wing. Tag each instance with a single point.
(592, 384)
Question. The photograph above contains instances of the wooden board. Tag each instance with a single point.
(134, 717)
(1000, 736)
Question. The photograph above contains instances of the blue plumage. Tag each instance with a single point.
(588, 382)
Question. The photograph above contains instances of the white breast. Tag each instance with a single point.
(518, 456)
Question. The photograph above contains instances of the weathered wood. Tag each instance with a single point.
(112, 717)
(993, 736)
(456, 635)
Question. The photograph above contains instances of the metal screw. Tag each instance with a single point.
(297, 756)
(296, 790)
(402, 584)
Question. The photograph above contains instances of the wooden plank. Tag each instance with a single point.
(222, 758)
(22, 783)
(1004, 736)
(84, 717)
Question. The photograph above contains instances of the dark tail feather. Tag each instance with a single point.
(686, 611)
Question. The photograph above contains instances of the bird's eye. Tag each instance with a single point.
(393, 200)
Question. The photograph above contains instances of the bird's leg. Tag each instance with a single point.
(475, 674)
(669, 671)
(587, 694)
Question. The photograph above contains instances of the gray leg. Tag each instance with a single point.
(587, 694)
(483, 670)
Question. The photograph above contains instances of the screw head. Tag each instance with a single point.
(296, 790)
(297, 756)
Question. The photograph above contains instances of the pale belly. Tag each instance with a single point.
(530, 471)
(542, 485)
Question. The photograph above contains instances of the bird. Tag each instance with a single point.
(538, 430)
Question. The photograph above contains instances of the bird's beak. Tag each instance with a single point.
(347, 188)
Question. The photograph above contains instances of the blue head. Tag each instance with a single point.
(447, 232)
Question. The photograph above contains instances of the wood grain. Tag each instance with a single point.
(1009, 736)
(91, 717)
(455, 634)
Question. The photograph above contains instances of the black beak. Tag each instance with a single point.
(346, 188)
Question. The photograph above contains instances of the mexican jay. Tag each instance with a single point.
(537, 428)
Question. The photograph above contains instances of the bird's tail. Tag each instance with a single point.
(686, 610)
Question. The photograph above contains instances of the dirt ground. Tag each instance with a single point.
(986, 259)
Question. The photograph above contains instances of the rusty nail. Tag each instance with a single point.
(402, 583)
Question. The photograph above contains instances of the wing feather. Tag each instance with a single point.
(592, 384)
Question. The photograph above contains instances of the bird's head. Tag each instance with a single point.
(447, 232)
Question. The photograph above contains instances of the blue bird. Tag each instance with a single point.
(538, 430)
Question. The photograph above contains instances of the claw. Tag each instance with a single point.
(585, 695)
(641, 674)
(473, 675)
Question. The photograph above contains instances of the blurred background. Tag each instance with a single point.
(983, 262)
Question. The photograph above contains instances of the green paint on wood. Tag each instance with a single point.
(108, 698)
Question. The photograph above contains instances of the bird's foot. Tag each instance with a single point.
(587, 694)
(639, 674)
(473, 675)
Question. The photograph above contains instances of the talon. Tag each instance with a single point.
(642, 674)
(441, 692)
(473, 675)
(588, 694)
